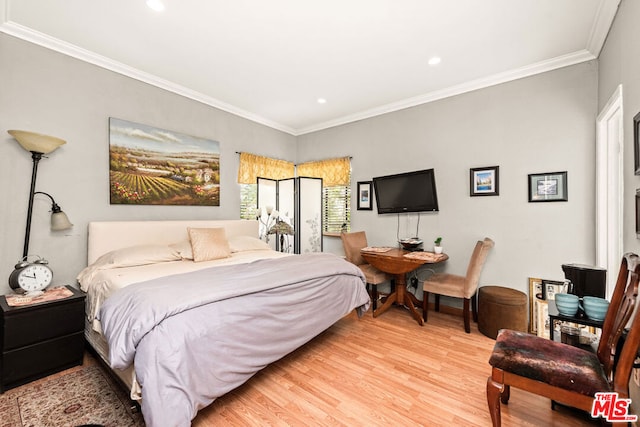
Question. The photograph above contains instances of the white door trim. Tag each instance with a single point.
(609, 187)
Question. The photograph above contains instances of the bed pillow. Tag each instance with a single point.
(208, 243)
(183, 249)
(137, 255)
(129, 257)
(247, 243)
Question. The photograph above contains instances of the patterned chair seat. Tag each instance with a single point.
(550, 362)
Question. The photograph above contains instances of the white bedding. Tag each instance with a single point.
(243, 333)
(100, 283)
(144, 250)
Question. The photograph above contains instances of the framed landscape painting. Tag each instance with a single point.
(548, 187)
(484, 181)
(364, 196)
(153, 166)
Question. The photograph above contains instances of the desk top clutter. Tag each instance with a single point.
(376, 249)
(426, 256)
(429, 257)
(50, 294)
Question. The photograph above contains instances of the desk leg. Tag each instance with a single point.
(391, 298)
(411, 301)
(400, 296)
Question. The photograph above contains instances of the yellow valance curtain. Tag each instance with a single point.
(253, 166)
(333, 172)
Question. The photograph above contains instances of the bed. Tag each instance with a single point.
(185, 311)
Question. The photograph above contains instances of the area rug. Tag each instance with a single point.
(86, 396)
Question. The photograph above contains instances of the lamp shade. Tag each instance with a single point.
(281, 227)
(36, 142)
(60, 221)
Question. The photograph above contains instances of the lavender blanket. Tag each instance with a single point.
(198, 335)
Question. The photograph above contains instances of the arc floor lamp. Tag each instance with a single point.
(39, 145)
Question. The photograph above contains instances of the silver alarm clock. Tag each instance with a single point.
(31, 277)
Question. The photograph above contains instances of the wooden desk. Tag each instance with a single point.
(394, 262)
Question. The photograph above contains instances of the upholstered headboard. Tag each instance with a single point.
(106, 236)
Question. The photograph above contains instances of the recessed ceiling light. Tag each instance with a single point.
(156, 5)
(322, 101)
(435, 60)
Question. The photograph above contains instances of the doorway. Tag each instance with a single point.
(609, 187)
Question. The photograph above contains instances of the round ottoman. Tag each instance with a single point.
(499, 308)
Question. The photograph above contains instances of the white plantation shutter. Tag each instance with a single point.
(336, 208)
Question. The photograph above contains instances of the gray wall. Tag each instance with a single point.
(620, 64)
(543, 123)
(47, 92)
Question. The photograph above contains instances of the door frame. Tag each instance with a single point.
(610, 186)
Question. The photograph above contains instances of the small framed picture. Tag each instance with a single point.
(364, 196)
(550, 288)
(636, 142)
(548, 187)
(638, 213)
(484, 181)
(542, 315)
(535, 293)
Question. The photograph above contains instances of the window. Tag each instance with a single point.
(336, 186)
(336, 208)
(336, 191)
(251, 167)
(248, 200)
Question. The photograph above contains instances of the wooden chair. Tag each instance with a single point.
(456, 286)
(566, 374)
(352, 243)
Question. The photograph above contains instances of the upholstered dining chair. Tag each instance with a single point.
(352, 243)
(453, 285)
(567, 374)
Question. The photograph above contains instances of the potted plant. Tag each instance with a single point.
(437, 247)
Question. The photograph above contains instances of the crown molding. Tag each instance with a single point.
(518, 73)
(74, 51)
(605, 15)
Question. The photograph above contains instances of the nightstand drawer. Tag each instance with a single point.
(38, 360)
(41, 338)
(28, 326)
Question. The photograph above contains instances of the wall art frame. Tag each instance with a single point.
(548, 187)
(638, 213)
(543, 321)
(636, 143)
(365, 199)
(153, 166)
(484, 181)
(552, 287)
(535, 293)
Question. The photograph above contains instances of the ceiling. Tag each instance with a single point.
(271, 60)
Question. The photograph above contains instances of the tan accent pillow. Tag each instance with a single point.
(208, 243)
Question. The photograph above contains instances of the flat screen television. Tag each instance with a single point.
(406, 192)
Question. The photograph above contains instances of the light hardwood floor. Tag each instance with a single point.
(386, 371)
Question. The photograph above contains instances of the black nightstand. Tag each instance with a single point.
(40, 339)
